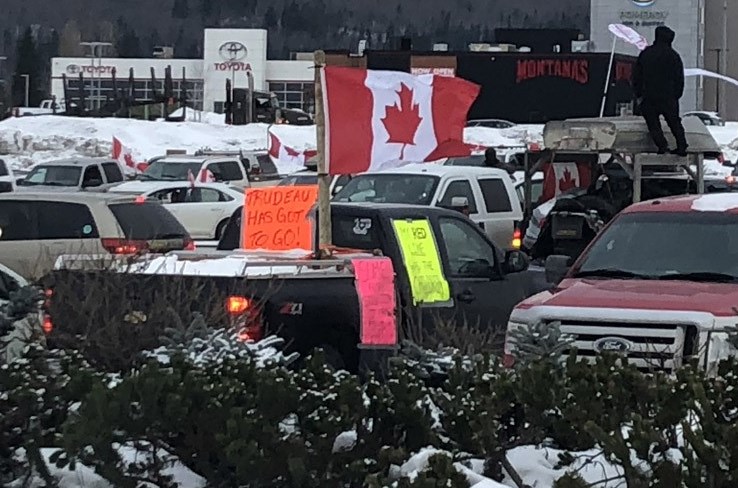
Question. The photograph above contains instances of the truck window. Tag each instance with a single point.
(390, 188)
(459, 188)
(464, 247)
(112, 172)
(495, 195)
(355, 232)
(172, 170)
(53, 175)
(3, 168)
(226, 171)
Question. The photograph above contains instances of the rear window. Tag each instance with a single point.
(112, 172)
(3, 168)
(146, 221)
(495, 196)
(355, 232)
(175, 171)
(297, 180)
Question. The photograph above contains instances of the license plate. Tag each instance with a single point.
(164, 244)
(567, 227)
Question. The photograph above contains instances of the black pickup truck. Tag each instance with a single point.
(311, 303)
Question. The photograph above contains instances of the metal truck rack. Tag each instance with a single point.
(624, 140)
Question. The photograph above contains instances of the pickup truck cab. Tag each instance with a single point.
(183, 167)
(658, 285)
(485, 281)
(493, 201)
(72, 174)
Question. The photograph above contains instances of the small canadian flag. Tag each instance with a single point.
(281, 153)
(124, 156)
(382, 119)
(562, 177)
(203, 176)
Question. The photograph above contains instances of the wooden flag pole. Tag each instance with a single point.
(324, 179)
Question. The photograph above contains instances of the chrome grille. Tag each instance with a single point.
(650, 346)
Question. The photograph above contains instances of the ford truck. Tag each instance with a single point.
(659, 285)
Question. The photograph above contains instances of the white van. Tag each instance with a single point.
(493, 201)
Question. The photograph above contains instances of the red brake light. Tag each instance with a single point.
(189, 245)
(508, 361)
(123, 246)
(47, 325)
(237, 305)
(141, 199)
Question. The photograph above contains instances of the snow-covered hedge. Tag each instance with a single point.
(208, 410)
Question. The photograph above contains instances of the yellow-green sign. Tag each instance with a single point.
(423, 264)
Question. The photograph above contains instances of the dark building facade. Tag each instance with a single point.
(539, 40)
(526, 87)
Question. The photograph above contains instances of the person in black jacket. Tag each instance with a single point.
(491, 161)
(658, 83)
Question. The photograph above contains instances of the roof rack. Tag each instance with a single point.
(626, 141)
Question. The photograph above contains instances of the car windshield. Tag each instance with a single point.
(664, 245)
(389, 188)
(298, 180)
(173, 171)
(53, 176)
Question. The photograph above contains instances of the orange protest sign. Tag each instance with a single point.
(276, 218)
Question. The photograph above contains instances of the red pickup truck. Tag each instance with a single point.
(659, 285)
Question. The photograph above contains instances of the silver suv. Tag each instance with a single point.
(38, 227)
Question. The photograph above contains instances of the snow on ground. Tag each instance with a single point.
(25, 141)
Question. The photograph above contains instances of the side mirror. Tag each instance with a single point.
(556, 268)
(459, 204)
(515, 262)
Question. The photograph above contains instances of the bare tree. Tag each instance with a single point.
(69, 40)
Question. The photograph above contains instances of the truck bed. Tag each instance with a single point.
(119, 311)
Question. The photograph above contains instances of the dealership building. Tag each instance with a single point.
(702, 38)
(228, 54)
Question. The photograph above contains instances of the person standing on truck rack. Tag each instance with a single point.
(491, 161)
(658, 84)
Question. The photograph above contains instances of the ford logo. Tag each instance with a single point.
(613, 344)
(643, 3)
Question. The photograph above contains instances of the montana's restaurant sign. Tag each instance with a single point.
(572, 69)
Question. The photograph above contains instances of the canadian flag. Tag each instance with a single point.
(561, 177)
(381, 119)
(203, 176)
(123, 155)
(288, 155)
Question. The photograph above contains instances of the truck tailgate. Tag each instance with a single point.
(112, 316)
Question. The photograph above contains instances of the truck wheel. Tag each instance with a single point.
(220, 228)
(333, 357)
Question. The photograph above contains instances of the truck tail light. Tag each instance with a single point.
(245, 317)
(508, 360)
(517, 240)
(189, 244)
(47, 325)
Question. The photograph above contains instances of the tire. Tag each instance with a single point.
(220, 228)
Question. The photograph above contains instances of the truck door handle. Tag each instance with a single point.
(466, 296)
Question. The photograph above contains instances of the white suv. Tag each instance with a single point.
(38, 227)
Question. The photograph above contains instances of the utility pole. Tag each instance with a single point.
(718, 83)
(27, 78)
(95, 52)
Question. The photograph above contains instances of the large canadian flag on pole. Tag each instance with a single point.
(381, 119)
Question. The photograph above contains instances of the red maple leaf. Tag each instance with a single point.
(402, 121)
(567, 182)
(291, 152)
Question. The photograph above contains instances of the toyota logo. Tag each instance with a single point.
(232, 51)
(643, 3)
(73, 69)
(613, 344)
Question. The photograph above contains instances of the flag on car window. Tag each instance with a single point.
(380, 119)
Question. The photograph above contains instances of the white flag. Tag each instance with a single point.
(629, 35)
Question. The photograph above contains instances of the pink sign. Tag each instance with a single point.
(375, 284)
